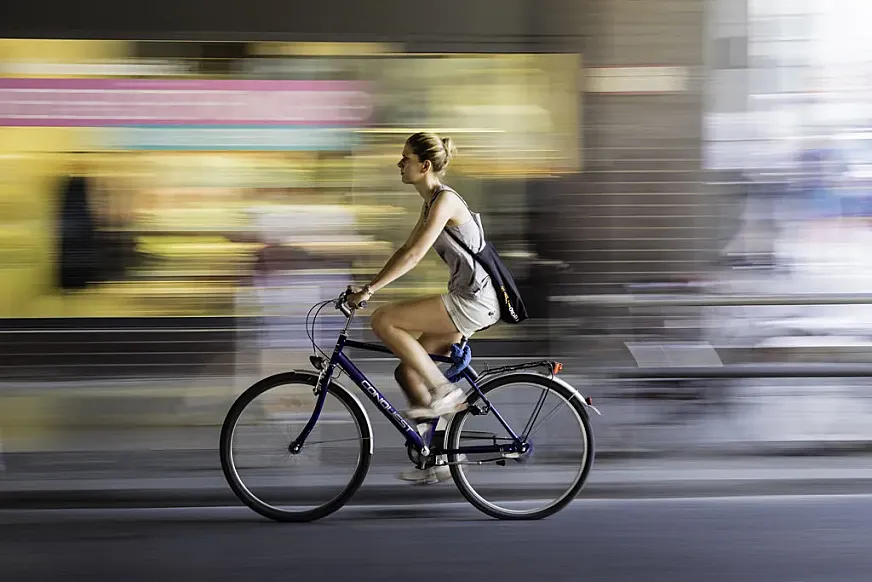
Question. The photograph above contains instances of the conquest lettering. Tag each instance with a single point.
(385, 405)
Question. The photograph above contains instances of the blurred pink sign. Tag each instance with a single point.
(154, 102)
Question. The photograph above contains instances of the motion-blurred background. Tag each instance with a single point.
(178, 186)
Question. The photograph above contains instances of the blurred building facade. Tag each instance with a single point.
(602, 139)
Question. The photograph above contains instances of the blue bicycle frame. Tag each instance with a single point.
(390, 412)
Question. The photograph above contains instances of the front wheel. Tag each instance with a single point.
(256, 454)
(546, 414)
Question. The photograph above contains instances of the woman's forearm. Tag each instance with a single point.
(400, 263)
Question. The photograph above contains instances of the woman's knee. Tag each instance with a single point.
(380, 319)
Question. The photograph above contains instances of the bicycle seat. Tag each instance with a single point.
(461, 355)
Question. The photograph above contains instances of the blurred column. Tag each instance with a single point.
(637, 211)
(728, 136)
(727, 76)
(634, 213)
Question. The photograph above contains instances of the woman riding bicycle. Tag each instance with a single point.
(414, 329)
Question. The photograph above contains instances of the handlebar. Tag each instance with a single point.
(343, 306)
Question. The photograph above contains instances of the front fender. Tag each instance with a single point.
(334, 385)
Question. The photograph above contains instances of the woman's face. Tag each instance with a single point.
(412, 170)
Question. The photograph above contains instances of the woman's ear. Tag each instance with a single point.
(426, 167)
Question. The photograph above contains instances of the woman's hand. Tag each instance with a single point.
(358, 296)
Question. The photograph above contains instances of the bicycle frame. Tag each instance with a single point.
(388, 410)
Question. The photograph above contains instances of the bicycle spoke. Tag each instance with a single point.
(549, 415)
(298, 486)
(308, 442)
(536, 411)
(555, 464)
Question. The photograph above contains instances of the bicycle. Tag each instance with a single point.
(335, 409)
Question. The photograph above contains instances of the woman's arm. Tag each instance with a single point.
(420, 240)
(413, 250)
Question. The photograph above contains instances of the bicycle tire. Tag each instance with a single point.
(454, 430)
(242, 491)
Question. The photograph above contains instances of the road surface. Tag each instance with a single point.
(766, 538)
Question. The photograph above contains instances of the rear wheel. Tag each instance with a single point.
(548, 416)
(307, 485)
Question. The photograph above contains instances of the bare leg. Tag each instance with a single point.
(393, 324)
(410, 381)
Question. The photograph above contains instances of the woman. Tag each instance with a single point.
(414, 329)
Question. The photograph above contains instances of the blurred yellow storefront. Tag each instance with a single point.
(203, 178)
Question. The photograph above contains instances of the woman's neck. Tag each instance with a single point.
(427, 188)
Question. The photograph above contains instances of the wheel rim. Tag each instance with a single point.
(544, 479)
(278, 481)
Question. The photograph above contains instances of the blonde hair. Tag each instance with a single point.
(439, 151)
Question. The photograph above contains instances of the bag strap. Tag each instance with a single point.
(448, 232)
(444, 188)
(462, 244)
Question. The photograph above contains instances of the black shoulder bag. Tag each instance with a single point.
(512, 308)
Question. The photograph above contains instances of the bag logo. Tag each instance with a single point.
(509, 303)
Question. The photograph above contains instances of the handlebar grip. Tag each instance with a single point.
(343, 305)
(346, 309)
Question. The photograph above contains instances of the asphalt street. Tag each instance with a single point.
(772, 539)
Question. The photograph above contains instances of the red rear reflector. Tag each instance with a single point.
(556, 367)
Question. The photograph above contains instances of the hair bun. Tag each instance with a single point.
(432, 148)
(450, 150)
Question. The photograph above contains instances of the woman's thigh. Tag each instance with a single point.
(439, 343)
(426, 315)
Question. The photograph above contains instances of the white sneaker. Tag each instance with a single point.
(430, 476)
(451, 401)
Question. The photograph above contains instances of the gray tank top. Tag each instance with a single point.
(467, 278)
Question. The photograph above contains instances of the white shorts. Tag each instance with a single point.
(471, 314)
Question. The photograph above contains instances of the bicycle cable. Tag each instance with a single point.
(311, 334)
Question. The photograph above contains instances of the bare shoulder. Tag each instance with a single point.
(443, 200)
(460, 212)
